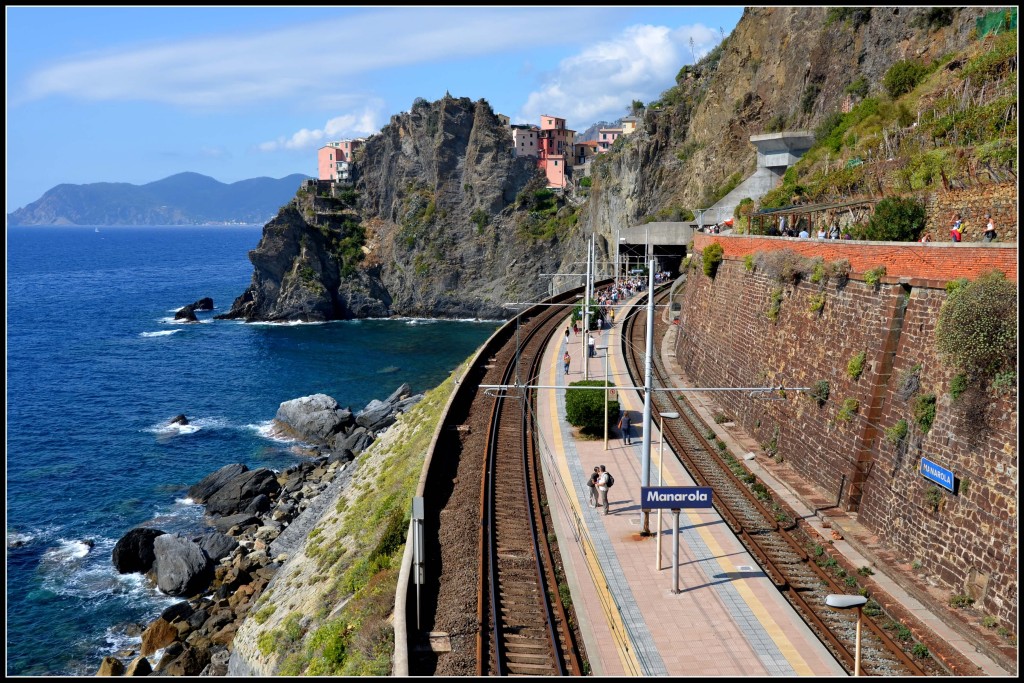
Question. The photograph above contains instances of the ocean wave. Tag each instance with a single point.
(288, 323)
(268, 430)
(161, 333)
(67, 551)
(170, 320)
(175, 428)
(16, 539)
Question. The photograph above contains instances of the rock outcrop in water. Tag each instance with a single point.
(440, 222)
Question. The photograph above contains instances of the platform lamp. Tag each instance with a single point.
(857, 602)
(605, 349)
(661, 462)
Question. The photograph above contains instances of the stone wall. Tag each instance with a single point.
(973, 203)
(727, 339)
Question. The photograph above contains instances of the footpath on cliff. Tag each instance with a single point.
(904, 594)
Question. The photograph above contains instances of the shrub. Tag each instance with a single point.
(859, 88)
(712, 257)
(848, 410)
(960, 601)
(819, 273)
(924, 411)
(897, 432)
(481, 218)
(584, 407)
(775, 304)
(865, 571)
(874, 276)
(856, 365)
(933, 497)
(748, 263)
(903, 76)
(586, 181)
(977, 326)
(820, 392)
(989, 621)
(958, 385)
(896, 219)
(816, 304)
(920, 650)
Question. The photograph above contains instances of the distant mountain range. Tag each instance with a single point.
(181, 199)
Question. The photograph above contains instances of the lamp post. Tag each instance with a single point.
(645, 467)
(661, 462)
(605, 349)
(850, 602)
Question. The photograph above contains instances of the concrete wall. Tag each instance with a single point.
(727, 339)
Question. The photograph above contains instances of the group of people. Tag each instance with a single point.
(785, 230)
(598, 484)
(956, 229)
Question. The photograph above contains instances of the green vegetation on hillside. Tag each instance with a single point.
(949, 122)
(358, 559)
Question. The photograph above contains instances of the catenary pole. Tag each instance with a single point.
(645, 474)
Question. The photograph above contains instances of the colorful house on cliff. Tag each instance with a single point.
(334, 159)
(606, 137)
(555, 142)
(524, 139)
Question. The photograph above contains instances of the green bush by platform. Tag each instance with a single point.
(584, 407)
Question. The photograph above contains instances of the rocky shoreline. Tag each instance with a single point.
(258, 518)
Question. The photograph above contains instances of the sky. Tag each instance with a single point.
(136, 94)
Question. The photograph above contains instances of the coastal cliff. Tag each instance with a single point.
(442, 221)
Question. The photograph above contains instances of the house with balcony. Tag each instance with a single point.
(555, 143)
(334, 160)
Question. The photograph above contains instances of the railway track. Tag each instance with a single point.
(527, 630)
(775, 548)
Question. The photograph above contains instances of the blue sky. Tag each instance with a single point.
(106, 94)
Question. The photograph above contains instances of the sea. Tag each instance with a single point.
(96, 369)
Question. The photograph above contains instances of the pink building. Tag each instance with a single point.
(555, 143)
(525, 140)
(334, 158)
(606, 137)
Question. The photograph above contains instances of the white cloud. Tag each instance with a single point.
(353, 124)
(232, 70)
(600, 82)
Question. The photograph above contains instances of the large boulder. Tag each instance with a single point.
(315, 418)
(187, 313)
(216, 545)
(356, 440)
(133, 553)
(204, 304)
(242, 519)
(211, 483)
(376, 415)
(182, 567)
(236, 495)
(399, 393)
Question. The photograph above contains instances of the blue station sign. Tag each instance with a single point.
(940, 475)
(671, 497)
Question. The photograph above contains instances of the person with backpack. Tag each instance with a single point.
(604, 482)
(565, 361)
(624, 425)
(592, 485)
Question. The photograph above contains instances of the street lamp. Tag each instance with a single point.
(850, 602)
(605, 349)
(661, 462)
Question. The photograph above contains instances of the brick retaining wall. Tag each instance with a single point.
(726, 339)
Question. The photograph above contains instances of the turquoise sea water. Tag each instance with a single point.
(96, 368)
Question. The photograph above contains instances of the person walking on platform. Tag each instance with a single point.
(565, 361)
(592, 485)
(590, 344)
(624, 425)
(602, 489)
(566, 335)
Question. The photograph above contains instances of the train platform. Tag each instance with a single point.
(727, 618)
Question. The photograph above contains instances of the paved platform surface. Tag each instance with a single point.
(727, 618)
